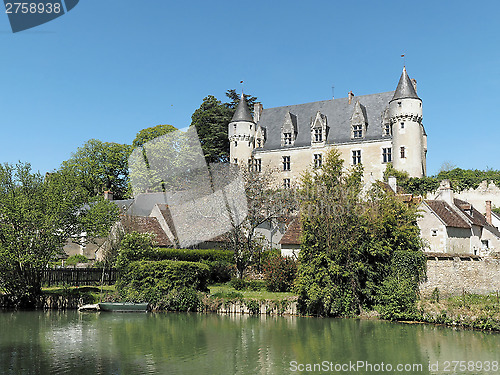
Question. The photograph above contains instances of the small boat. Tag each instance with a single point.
(123, 306)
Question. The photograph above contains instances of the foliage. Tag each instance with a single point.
(195, 255)
(280, 273)
(181, 299)
(152, 281)
(211, 121)
(242, 284)
(135, 246)
(265, 204)
(101, 166)
(148, 134)
(349, 244)
(461, 179)
(38, 215)
(75, 259)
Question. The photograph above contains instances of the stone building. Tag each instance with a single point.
(371, 130)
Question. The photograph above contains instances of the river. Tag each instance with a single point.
(76, 343)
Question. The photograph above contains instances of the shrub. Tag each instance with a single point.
(149, 281)
(397, 299)
(74, 259)
(238, 284)
(133, 247)
(219, 271)
(280, 273)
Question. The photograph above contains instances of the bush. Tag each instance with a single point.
(238, 284)
(74, 259)
(149, 281)
(195, 255)
(219, 272)
(397, 299)
(280, 273)
(133, 247)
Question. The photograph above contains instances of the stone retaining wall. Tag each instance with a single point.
(453, 276)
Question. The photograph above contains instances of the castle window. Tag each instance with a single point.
(250, 144)
(286, 163)
(356, 157)
(434, 232)
(387, 129)
(357, 131)
(318, 135)
(402, 125)
(386, 155)
(259, 142)
(317, 160)
(235, 143)
(258, 165)
(235, 161)
(286, 183)
(287, 139)
(402, 150)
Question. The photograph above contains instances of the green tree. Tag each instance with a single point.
(101, 166)
(348, 243)
(37, 216)
(211, 121)
(148, 134)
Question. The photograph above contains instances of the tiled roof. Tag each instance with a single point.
(405, 88)
(293, 233)
(142, 224)
(470, 212)
(446, 213)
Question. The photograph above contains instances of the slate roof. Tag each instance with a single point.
(447, 214)
(143, 224)
(476, 218)
(338, 113)
(242, 112)
(292, 234)
(405, 88)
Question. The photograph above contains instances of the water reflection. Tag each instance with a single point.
(76, 343)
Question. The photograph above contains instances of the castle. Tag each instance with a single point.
(371, 130)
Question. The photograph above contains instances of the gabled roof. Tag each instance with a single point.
(470, 212)
(242, 112)
(338, 114)
(292, 234)
(142, 224)
(405, 88)
(447, 214)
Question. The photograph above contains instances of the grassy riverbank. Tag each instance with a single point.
(467, 310)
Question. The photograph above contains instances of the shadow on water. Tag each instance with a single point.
(114, 343)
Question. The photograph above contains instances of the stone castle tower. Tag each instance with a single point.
(408, 135)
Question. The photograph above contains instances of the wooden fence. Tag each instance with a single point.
(79, 276)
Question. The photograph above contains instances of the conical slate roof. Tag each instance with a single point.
(405, 88)
(242, 112)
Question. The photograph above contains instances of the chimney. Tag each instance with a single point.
(257, 111)
(393, 183)
(414, 82)
(108, 195)
(488, 212)
(445, 193)
(350, 96)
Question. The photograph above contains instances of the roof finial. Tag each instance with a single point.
(404, 61)
(241, 82)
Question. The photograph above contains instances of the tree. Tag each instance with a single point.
(101, 166)
(349, 244)
(148, 134)
(211, 121)
(37, 216)
(266, 204)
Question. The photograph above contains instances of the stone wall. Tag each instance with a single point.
(453, 276)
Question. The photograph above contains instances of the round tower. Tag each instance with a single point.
(408, 143)
(241, 134)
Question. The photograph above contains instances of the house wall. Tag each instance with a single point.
(453, 277)
(303, 158)
(459, 241)
(290, 251)
(427, 223)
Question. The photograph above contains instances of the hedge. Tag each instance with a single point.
(152, 281)
(195, 255)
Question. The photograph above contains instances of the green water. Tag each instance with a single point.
(138, 343)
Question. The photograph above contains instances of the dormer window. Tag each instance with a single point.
(319, 128)
(386, 123)
(318, 135)
(289, 130)
(357, 131)
(387, 130)
(358, 121)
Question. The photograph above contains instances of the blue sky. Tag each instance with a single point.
(108, 69)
